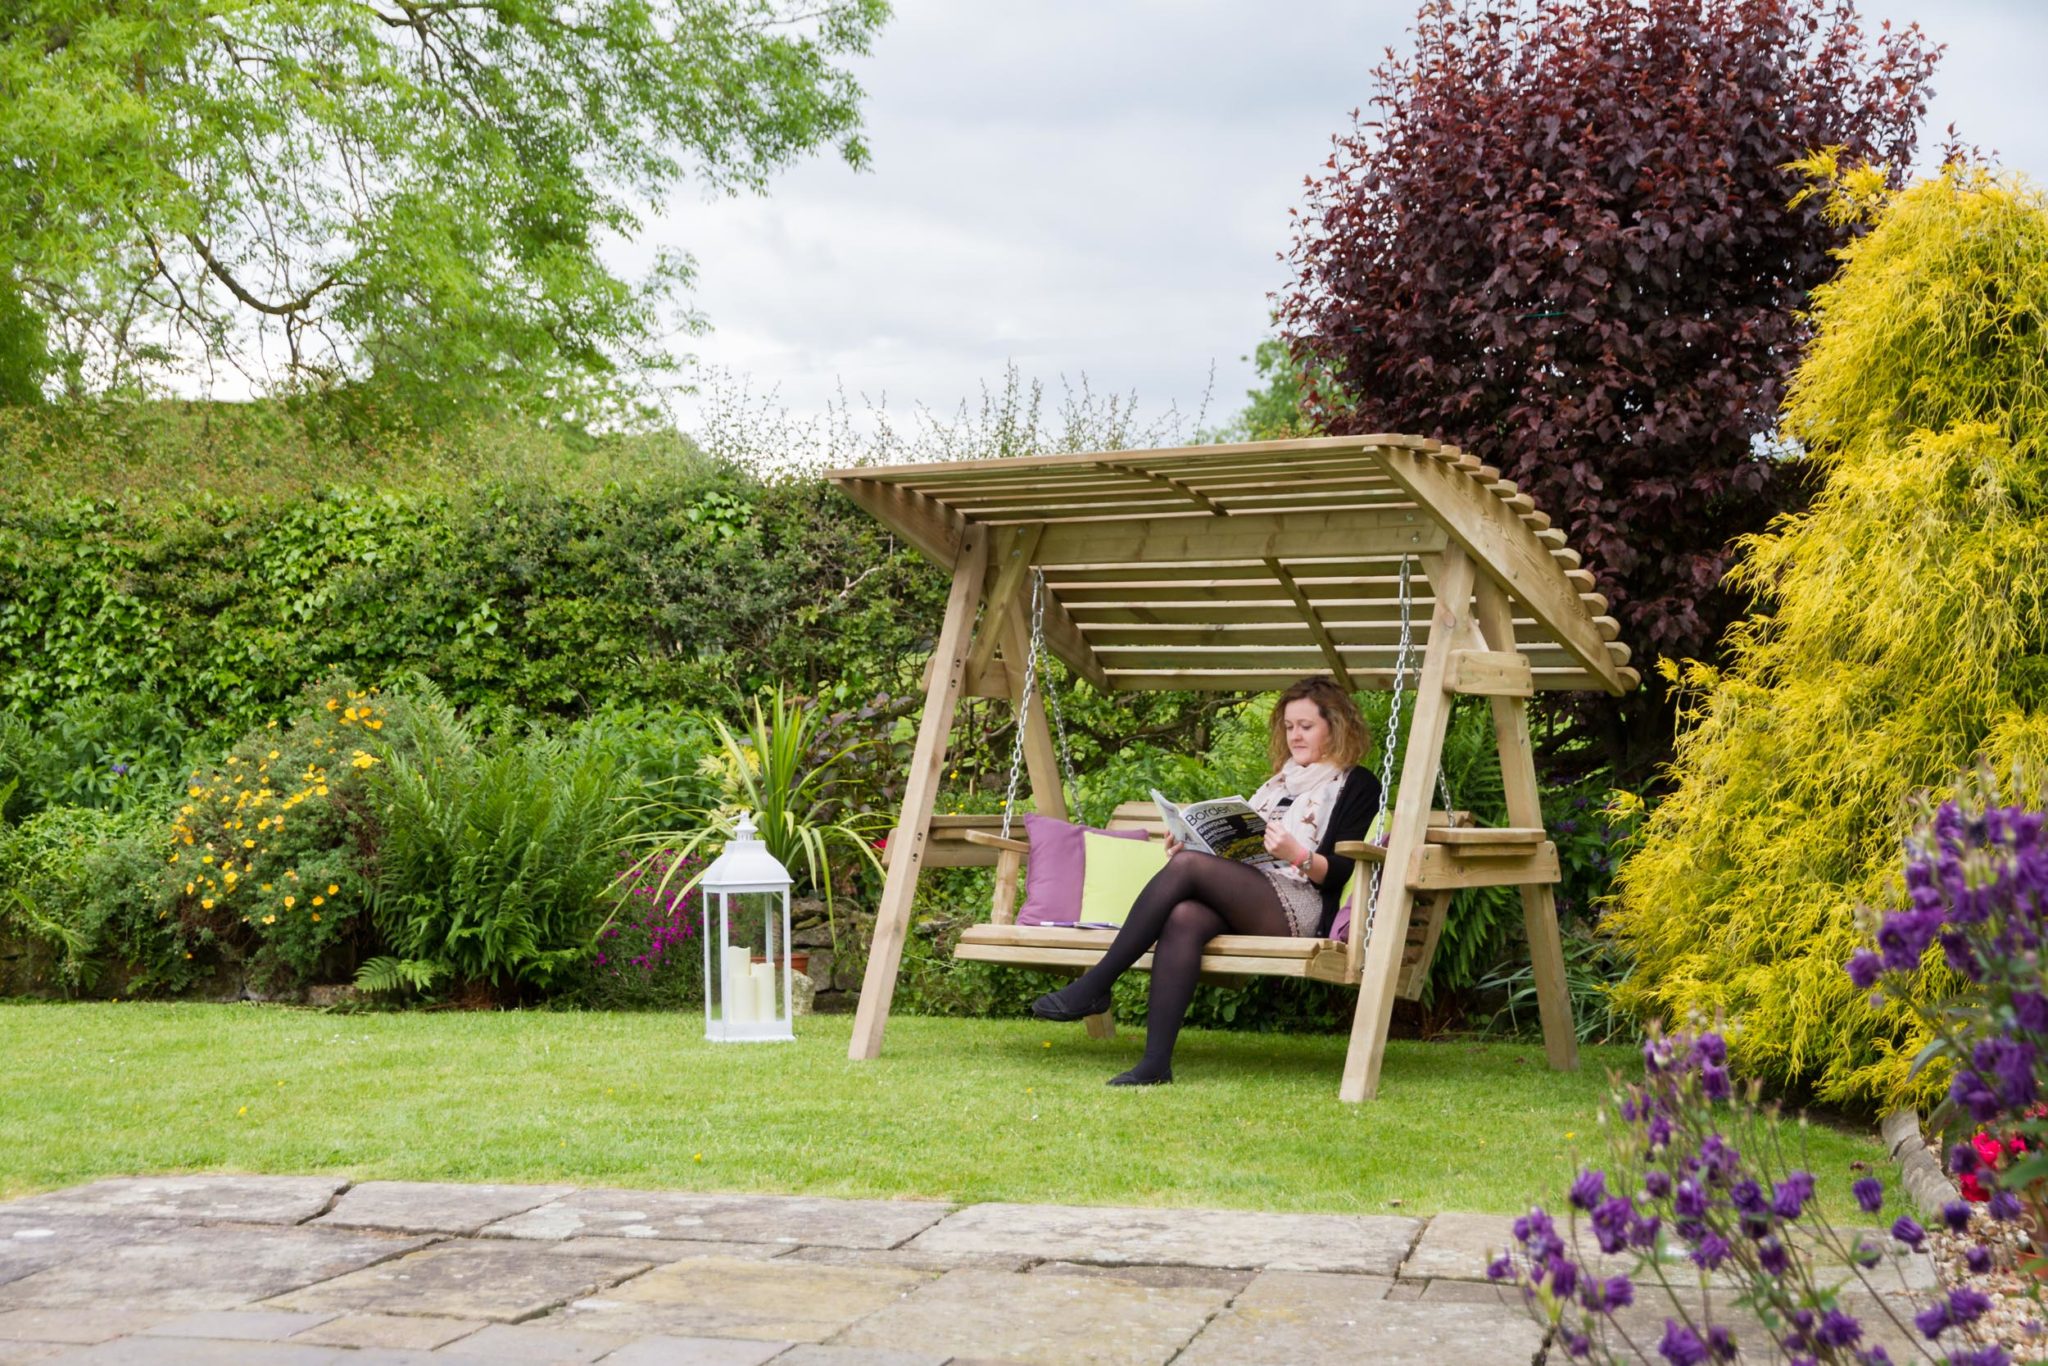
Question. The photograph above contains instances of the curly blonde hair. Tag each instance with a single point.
(1350, 741)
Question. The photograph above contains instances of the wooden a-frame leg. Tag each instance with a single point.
(913, 827)
(1451, 583)
(1525, 808)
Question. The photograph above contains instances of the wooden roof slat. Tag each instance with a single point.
(1243, 565)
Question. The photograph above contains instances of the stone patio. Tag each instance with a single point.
(319, 1271)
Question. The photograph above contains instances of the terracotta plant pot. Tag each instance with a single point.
(799, 962)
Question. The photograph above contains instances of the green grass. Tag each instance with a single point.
(956, 1110)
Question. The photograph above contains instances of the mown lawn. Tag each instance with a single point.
(957, 1110)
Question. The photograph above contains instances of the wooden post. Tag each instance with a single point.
(920, 794)
(1450, 578)
(1525, 808)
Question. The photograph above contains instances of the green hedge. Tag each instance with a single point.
(511, 597)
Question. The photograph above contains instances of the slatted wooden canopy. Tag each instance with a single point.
(1244, 568)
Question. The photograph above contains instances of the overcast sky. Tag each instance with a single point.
(1101, 188)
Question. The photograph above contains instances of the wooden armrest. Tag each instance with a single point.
(1359, 849)
(983, 837)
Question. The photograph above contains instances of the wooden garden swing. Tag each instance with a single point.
(1239, 568)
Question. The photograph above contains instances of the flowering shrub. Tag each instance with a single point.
(268, 848)
(647, 954)
(1700, 1183)
(1977, 891)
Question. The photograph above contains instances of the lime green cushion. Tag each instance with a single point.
(1114, 872)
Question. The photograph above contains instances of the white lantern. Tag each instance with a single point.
(746, 943)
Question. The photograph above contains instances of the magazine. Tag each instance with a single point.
(1224, 826)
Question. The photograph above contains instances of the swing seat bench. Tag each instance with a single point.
(1503, 856)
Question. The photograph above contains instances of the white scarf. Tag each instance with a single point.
(1314, 788)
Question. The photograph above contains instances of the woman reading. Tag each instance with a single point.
(1317, 796)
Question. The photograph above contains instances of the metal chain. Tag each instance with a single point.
(1030, 690)
(1393, 735)
(1023, 710)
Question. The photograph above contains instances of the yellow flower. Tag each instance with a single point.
(332, 704)
(292, 873)
(273, 754)
(316, 917)
(207, 858)
(192, 792)
(243, 1111)
(231, 878)
(206, 903)
(332, 889)
(271, 724)
(248, 844)
(270, 920)
(266, 886)
(189, 889)
(174, 858)
(376, 725)
(319, 901)
(289, 902)
(362, 760)
(321, 790)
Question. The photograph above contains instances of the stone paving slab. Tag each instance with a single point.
(147, 1351)
(1373, 1244)
(659, 1250)
(789, 1219)
(497, 1282)
(399, 1332)
(434, 1206)
(35, 1242)
(22, 1353)
(202, 1266)
(662, 1350)
(71, 1327)
(1288, 1318)
(1168, 1277)
(1085, 1321)
(724, 1297)
(909, 1259)
(215, 1199)
(811, 1354)
(526, 1345)
(239, 1325)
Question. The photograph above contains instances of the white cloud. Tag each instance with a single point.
(1103, 188)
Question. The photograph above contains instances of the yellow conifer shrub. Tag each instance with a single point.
(1904, 633)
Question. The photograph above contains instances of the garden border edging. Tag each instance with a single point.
(1922, 1176)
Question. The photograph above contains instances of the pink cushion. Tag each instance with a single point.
(1052, 872)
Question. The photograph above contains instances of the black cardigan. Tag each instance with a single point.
(1357, 804)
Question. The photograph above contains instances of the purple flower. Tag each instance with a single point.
(1691, 1202)
(1578, 1345)
(1710, 1048)
(1619, 1292)
(1711, 1252)
(1869, 1193)
(2030, 1008)
(1657, 1183)
(1714, 1082)
(1681, 1346)
(1966, 1306)
(1770, 1255)
(1837, 1329)
(1564, 1276)
(1956, 1214)
(1500, 1268)
(1788, 1199)
(1864, 968)
(1720, 1342)
(1908, 1232)
(1978, 1257)
(1932, 1320)
(1866, 1253)
(1610, 1223)
(2004, 1206)
(1994, 1355)
(1962, 1159)
(1748, 1196)
(1588, 1190)
(1642, 1232)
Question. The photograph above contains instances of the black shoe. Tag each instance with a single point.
(1133, 1078)
(1051, 1007)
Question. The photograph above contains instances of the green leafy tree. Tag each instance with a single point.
(1906, 635)
(410, 191)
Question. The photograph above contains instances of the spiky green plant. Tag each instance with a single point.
(783, 767)
(1906, 634)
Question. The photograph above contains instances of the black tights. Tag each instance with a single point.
(1190, 901)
